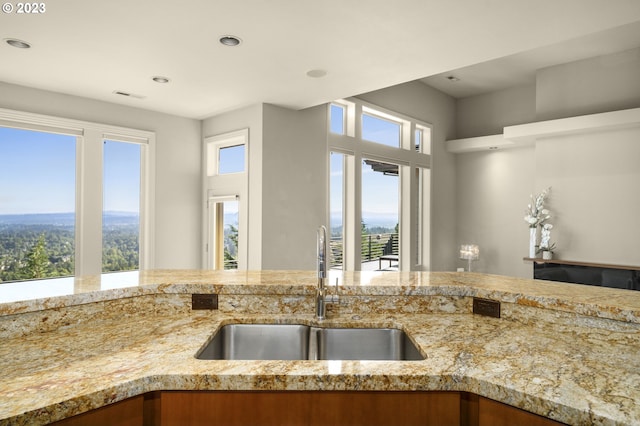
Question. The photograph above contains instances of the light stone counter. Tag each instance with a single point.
(568, 352)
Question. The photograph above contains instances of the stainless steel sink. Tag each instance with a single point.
(365, 344)
(301, 342)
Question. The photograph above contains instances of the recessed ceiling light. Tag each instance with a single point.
(452, 78)
(160, 79)
(316, 73)
(230, 40)
(17, 43)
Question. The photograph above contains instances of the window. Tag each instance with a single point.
(423, 139)
(380, 130)
(37, 204)
(379, 187)
(336, 208)
(231, 159)
(67, 186)
(226, 190)
(225, 221)
(380, 212)
(226, 155)
(337, 119)
(120, 206)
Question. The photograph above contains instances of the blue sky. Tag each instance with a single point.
(37, 173)
(379, 192)
(121, 185)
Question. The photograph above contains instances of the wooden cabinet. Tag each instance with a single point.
(309, 408)
(493, 413)
(129, 412)
(353, 408)
(480, 411)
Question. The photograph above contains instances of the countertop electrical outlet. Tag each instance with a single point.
(204, 301)
(490, 308)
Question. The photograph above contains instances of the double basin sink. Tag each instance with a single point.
(303, 342)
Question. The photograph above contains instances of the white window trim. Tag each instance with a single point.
(357, 148)
(214, 144)
(226, 186)
(89, 157)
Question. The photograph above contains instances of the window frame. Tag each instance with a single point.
(213, 146)
(225, 187)
(89, 181)
(415, 187)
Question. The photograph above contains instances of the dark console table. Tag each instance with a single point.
(601, 274)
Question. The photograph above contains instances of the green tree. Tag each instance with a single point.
(37, 260)
(230, 260)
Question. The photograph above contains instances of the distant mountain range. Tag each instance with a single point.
(66, 219)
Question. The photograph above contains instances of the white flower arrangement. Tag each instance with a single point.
(536, 214)
(545, 238)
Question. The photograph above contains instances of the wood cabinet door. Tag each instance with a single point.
(309, 408)
(128, 412)
(493, 413)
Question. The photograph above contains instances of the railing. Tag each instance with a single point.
(373, 246)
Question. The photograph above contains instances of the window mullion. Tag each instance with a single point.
(89, 211)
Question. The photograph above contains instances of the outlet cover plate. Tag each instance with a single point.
(490, 308)
(204, 301)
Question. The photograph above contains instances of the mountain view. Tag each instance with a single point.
(43, 245)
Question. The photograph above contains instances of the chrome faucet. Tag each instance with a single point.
(321, 307)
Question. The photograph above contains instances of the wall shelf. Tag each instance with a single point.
(530, 132)
(481, 143)
(526, 134)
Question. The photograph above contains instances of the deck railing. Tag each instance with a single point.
(373, 246)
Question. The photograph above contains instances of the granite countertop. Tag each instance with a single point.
(568, 352)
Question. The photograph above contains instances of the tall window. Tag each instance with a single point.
(226, 199)
(385, 191)
(37, 204)
(336, 208)
(121, 206)
(74, 197)
(380, 214)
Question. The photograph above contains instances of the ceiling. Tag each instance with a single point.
(93, 48)
(520, 69)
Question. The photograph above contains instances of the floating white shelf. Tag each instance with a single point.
(573, 125)
(481, 143)
(525, 134)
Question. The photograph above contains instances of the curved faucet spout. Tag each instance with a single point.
(322, 252)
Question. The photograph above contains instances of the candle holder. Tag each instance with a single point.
(469, 252)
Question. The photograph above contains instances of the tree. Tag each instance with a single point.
(37, 260)
(231, 259)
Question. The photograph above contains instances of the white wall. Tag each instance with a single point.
(492, 192)
(178, 181)
(489, 113)
(594, 177)
(418, 100)
(595, 194)
(294, 203)
(603, 83)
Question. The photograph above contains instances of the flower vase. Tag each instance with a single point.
(533, 241)
(547, 255)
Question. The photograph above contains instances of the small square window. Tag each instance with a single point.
(231, 159)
